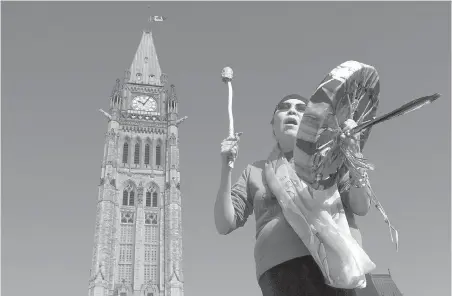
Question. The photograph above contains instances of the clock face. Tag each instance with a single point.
(144, 103)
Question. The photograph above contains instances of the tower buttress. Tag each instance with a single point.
(102, 268)
(174, 210)
(172, 104)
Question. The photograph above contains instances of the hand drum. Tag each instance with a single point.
(350, 91)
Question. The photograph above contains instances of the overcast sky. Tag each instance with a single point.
(59, 65)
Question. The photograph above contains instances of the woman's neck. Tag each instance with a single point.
(288, 155)
(286, 146)
(288, 151)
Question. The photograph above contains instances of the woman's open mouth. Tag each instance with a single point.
(291, 121)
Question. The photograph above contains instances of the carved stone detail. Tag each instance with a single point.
(151, 219)
(137, 174)
(172, 139)
(164, 79)
(113, 163)
(179, 121)
(127, 217)
(152, 187)
(143, 129)
(123, 287)
(144, 89)
(110, 135)
(140, 190)
(146, 117)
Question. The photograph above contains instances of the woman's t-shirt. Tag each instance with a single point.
(276, 241)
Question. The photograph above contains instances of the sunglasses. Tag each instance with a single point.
(284, 106)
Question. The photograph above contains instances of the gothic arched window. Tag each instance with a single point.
(147, 152)
(148, 198)
(136, 157)
(125, 153)
(128, 196)
(131, 198)
(152, 196)
(158, 155)
(154, 199)
(125, 197)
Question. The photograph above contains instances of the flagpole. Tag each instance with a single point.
(154, 19)
(149, 20)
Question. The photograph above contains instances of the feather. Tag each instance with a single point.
(405, 109)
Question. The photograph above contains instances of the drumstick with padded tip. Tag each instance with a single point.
(227, 75)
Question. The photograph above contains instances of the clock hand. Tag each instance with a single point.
(144, 102)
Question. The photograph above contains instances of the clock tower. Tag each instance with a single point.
(138, 235)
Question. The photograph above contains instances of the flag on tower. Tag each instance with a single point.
(157, 18)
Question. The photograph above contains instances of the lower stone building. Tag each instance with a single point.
(379, 285)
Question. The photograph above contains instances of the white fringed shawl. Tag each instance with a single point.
(318, 218)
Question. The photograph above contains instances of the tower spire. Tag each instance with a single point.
(145, 67)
